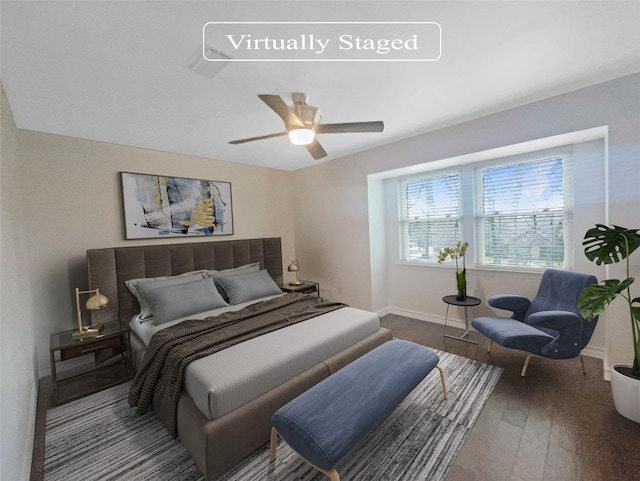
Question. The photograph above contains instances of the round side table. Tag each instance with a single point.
(468, 303)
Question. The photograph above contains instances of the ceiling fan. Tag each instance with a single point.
(302, 123)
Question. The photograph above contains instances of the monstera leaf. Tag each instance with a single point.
(610, 244)
(595, 299)
(603, 244)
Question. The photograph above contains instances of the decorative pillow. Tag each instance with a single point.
(173, 302)
(138, 286)
(253, 267)
(248, 286)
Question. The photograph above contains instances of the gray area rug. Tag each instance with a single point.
(100, 437)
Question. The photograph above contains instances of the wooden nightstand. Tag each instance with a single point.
(307, 287)
(90, 377)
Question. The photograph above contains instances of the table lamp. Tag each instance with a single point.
(293, 267)
(96, 301)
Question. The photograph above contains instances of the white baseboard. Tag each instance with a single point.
(596, 352)
(436, 319)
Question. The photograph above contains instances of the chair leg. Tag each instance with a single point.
(584, 369)
(526, 365)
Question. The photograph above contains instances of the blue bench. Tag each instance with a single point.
(326, 422)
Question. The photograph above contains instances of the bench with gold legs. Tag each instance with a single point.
(326, 422)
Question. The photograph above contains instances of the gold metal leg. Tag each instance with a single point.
(273, 445)
(490, 344)
(526, 364)
(444, 386)
(331, 472)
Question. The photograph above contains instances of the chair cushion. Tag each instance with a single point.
(512, 333)
(326, 422)
(559, 290)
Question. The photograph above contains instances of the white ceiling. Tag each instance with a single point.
(114, 71)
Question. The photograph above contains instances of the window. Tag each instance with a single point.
(521, 214)
(520, 207)
(430, 215)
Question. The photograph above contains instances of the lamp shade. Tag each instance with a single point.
(301, 136)
(97, 301)
(293, 267)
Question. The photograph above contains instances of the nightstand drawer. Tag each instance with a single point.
(88, 347)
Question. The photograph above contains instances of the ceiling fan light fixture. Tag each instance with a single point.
(302, 122)
(301, 136)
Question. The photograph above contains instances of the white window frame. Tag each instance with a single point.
(469, 184)
(480, 215)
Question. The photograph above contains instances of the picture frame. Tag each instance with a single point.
(158, 206)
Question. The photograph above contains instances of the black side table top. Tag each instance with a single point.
(468, 302)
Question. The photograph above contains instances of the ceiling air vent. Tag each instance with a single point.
(209, 66)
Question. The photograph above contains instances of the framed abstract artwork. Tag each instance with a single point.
(162, 206)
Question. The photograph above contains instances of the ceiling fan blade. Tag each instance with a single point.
(316, 150)
(261, 137)
(377, 126)
(275, 103)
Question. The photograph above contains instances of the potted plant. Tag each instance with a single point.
(457, 253)
(612, 245)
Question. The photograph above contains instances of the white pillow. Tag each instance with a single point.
(248, 286)
(138, 286)
(173, 302)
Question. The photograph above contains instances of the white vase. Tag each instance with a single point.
(626, 394)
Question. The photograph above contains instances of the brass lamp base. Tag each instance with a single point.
(296, 283)
(88, 332)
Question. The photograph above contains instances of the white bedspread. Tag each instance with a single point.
(230, 378)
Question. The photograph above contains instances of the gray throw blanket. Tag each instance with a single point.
(159, 380)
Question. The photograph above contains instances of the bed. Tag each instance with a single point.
(225, 400)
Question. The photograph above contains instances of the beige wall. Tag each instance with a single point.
(18, 353)
(60, 197)
(72, 202)
(344, 242)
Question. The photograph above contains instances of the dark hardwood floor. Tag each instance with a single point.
(556, 424)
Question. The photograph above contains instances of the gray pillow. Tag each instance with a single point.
(139, 286)
(248, 286)
(253, 267)
(173, 302)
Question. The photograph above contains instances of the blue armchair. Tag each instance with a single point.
(549, 326)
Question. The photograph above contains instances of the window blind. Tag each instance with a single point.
(430, 215)
(522, 212)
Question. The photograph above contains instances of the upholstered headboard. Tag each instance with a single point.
(109, 268)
